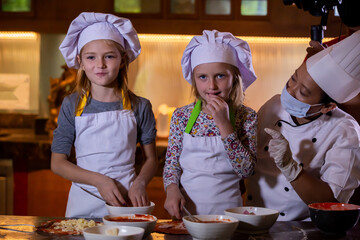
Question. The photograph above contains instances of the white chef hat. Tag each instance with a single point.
(336, 69)
(215, 46)
(89, 26)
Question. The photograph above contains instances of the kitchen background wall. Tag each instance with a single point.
(156, 74)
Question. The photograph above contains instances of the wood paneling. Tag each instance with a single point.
(47, 194)
(283, 21)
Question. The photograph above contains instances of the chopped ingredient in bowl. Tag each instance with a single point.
(112, 231)
(248, 213)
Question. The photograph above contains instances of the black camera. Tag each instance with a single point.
(348, 12)
(315, 7)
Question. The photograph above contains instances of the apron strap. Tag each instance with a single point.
(83, 101)
(126, 105)
(195, 113)
(81, 105)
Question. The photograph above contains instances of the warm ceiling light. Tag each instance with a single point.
(164, 37)
(19, 35)
(170, 37)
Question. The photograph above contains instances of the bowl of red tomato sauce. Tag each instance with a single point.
(333, 217)
(145, 221)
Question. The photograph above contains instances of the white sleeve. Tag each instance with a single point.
(341, 169)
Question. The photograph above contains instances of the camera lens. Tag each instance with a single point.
(317, 33)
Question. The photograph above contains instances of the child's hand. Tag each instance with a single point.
(137, 194)
(174, 201)
(109, 191)
(219, 109)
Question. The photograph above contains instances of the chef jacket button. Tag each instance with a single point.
(279, 124)
(286, 189)
(282, 214)
(266, 148)
(249, 197)
(314, 140)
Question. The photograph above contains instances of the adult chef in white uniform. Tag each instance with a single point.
(308, 149)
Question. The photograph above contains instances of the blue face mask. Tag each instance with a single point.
(294, 107)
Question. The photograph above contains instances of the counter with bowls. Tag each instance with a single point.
(280, 230)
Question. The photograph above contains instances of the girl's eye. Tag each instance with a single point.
(220, 76)
(202, 77)
(110, 56)
(90, 57)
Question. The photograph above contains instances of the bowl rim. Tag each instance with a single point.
(128, 215)
(138, 229)
(233, 219)
(352, 207)
(152, 204)
(273, 211)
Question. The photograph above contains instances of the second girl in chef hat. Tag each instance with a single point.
(103, 118)
(308, 149)
(212, 141)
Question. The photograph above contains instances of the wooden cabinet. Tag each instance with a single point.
(283, 21)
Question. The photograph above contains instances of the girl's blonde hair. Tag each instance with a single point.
(83, 84)
(236, 97)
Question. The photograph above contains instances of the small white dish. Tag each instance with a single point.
(147, 225)
(125, 233)
(130, 210)
(222, 229)
(253, 220)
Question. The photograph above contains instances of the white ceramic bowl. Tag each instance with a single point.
(128, 220)
(253, 219)
(125, 233)
(223, 229)
(130, 210)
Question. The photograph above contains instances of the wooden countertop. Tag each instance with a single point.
(280, 230)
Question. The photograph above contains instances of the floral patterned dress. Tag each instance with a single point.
(240, 145)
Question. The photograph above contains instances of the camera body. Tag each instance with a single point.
(315, 7)
(348, 11)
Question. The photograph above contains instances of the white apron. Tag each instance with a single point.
(209, 182)
(106, 143)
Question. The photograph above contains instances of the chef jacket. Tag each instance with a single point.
(328, 148)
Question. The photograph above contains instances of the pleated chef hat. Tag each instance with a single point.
(89, 26)
(215, 46)
(336, 69)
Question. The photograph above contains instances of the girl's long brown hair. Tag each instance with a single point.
(83, 84)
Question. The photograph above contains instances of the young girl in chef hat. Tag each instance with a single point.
(308, 149)
(103, 119)
(212, 141)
